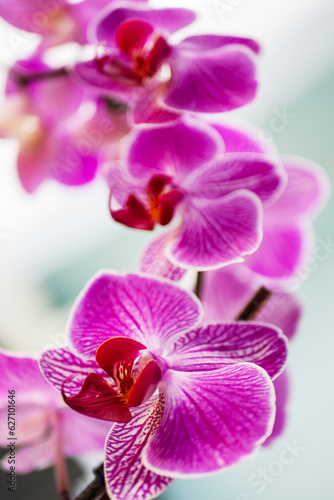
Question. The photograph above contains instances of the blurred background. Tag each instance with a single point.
(53, 242)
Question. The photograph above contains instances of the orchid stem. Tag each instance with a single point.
(254, 305)
(95, 488)
(23, 79)
(199, 282)
(61, 475)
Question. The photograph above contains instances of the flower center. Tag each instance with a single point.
(146, 48)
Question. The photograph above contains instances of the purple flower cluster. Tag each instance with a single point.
(174, 385)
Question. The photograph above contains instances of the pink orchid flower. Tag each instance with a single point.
(140, 66)
(287, 218)
(215, 399)
(45, 429)
(56, 139)
(180, 171)
(57, 21)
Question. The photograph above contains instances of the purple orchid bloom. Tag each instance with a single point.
(140, 66)
(215, 403)
(57, 21)
(287, 231)
(56, 139)
(44, 427)
(180, 170)
(224, 294)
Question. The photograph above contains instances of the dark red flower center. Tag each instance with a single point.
(162, 200)
(133, 369)
(146, 48)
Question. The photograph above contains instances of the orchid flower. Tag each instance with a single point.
(287, 230)
(45, 428)
(139, 65)
(56, 140)
(57, 21)
(180, 171)
(215, 400)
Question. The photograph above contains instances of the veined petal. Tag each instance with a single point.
(21, 372)
(164, 21)
(99, 400)
(212, 346)
(255, 172)
(211, 420)
(175, 149)
(154, 261)
(211, 81)
(145, 309)
(126, 477)
(218, 232)
(60, 365)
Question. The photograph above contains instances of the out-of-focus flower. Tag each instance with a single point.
(139, 65)
(215, 402)
(45, 110)
(57, 21)
(43, 426)
(181, 170)
(224, 294)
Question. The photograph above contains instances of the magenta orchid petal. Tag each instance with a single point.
(257, 173)
(218, 232)
(176, 149)
(29, 16)
(98, 399)
(154, 261)
(142, 308)
(215, 80)
(21, 372)
(281, 251)
(43, 419)
(70, 164)
(147, 106)
(211, 346)
(35, 457)
(207, 42)
(306, 191)
(241, 138)
(282, 386)
(33, 425)
(75, 426)
(166, 21)
(124, 87)
(126, 477)
(42, 97)
(60, 365)
(202, 412)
